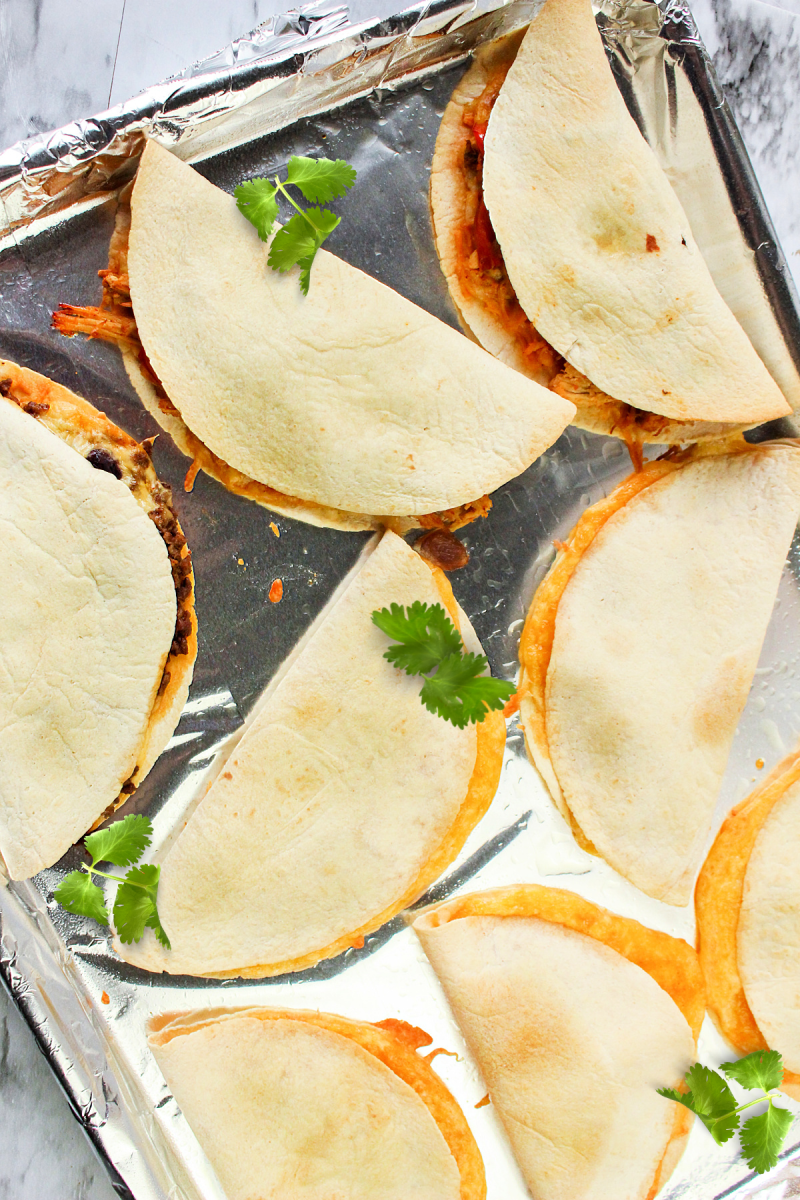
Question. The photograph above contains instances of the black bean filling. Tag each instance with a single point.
(104, 460)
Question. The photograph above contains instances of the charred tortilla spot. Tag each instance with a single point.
(652, 245)
(5, 387)
(103, 460)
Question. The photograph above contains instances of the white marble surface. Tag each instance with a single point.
(65, 59)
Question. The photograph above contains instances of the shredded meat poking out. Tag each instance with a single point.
(480, 266)
(97, 323)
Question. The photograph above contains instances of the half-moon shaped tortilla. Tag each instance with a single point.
(640, 647)
(596, 260)
(344, 800)
(575, 1017)
(748, 914)
(350, 398)
(96, 620)
(288, 1104)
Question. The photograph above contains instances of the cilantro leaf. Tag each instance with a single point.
(135, 904)
(257, 201)
(426, 633)
(78, 894)
(154, 923)
(295, 240)
(709, 1098)
(461, 693)
(713, 1102)
(320, 179)
(761, 1069)
(121, 843)
(762, 1137)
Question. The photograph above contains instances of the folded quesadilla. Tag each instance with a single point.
(575, 1016)
(289, 1104)
(96, 619)
(569, 256)
(748, 918)
(343, 407)
(342, 802)
(640, 647)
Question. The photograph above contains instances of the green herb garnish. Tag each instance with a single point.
(135, 905)
(710, 1098)
(429, 641)
(319, 180)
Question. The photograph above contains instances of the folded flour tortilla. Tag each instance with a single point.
(640, 647)
(289, 1104)
(343, 801)
(575, 1017)
(748, 917)
(96, 619)
(594, 259)
(351, 400)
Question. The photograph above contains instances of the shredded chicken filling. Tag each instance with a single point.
(482, 275)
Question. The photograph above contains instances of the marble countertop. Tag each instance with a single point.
(65, 59)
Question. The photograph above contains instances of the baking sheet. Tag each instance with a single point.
(374, 95)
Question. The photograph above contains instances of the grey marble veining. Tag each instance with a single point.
(61, 60)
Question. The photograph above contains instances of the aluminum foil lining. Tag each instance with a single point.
(374, 94)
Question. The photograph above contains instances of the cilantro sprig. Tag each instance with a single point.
(710, 1098)
(428, 641)
(319, 180)
(121, 844)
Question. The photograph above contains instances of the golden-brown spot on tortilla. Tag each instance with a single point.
(392, 1045)
(718, 903)
(721, 700)
(670, 961)
(491, 739)
(652, 247)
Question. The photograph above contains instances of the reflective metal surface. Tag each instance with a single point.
(374, 96)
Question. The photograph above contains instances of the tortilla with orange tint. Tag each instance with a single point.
(341, 803)
(389, 1084)
(670, 961)
(537, 1056)
(718, 905)
(602, 683)
(484, 297)
(596, 244)
(536, 642)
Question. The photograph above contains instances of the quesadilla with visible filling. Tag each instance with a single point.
(748, 922)
(575, 1016)
(640, 646)
(569, 256)
(342, 802)
(96, 622)
(288, 1104)
(345, 407)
